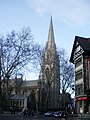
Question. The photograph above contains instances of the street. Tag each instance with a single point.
(20, 117)
(37, 117)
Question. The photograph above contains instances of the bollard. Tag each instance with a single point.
(81, 111)
(81, 116)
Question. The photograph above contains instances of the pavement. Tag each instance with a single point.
(79, 117)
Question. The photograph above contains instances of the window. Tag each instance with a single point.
(79, 89)
(77, 49)
(78, 75)
(78, 62)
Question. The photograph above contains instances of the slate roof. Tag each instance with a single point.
(84, 43)
(30, 83)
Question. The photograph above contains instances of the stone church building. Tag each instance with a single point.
(50, 74)
(44, 93)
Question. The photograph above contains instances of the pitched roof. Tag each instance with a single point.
(30, 83)
(84, 43)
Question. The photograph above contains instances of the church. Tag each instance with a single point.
(50, 74)
(44, 93)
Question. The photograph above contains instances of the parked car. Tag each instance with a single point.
(49, 113)
(60, 114)
(57, 114)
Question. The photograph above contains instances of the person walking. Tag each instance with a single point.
(25, 112)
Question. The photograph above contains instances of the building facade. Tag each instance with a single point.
(80, 57)
(22, 94)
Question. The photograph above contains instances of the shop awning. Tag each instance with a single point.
(81, 98)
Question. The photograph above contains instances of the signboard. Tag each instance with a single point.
(82, 98)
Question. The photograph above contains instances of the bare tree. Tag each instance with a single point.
(17, 50)
(66, 73)
(66, 79)
(50, 74)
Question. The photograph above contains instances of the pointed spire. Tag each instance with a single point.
(51, 41)
(51, 25)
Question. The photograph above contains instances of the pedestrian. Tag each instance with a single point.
(32, 113)
(11, 109)
(14, 110)
(25, 112)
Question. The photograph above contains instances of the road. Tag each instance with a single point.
(36, 117)
(20, 117)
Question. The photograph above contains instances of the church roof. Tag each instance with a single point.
(83, 42)
(30, 83)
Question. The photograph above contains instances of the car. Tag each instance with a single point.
(63, 114)
(49, 113)
(57, 114)
(60, 114)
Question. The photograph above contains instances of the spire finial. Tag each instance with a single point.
(51, 24)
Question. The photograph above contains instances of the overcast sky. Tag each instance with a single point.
(70, 18)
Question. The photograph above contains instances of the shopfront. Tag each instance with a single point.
(81, 104)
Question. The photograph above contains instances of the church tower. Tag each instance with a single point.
(50, 74)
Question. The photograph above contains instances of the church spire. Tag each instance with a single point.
(51, 41)
(51, 25)
(49, 75)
